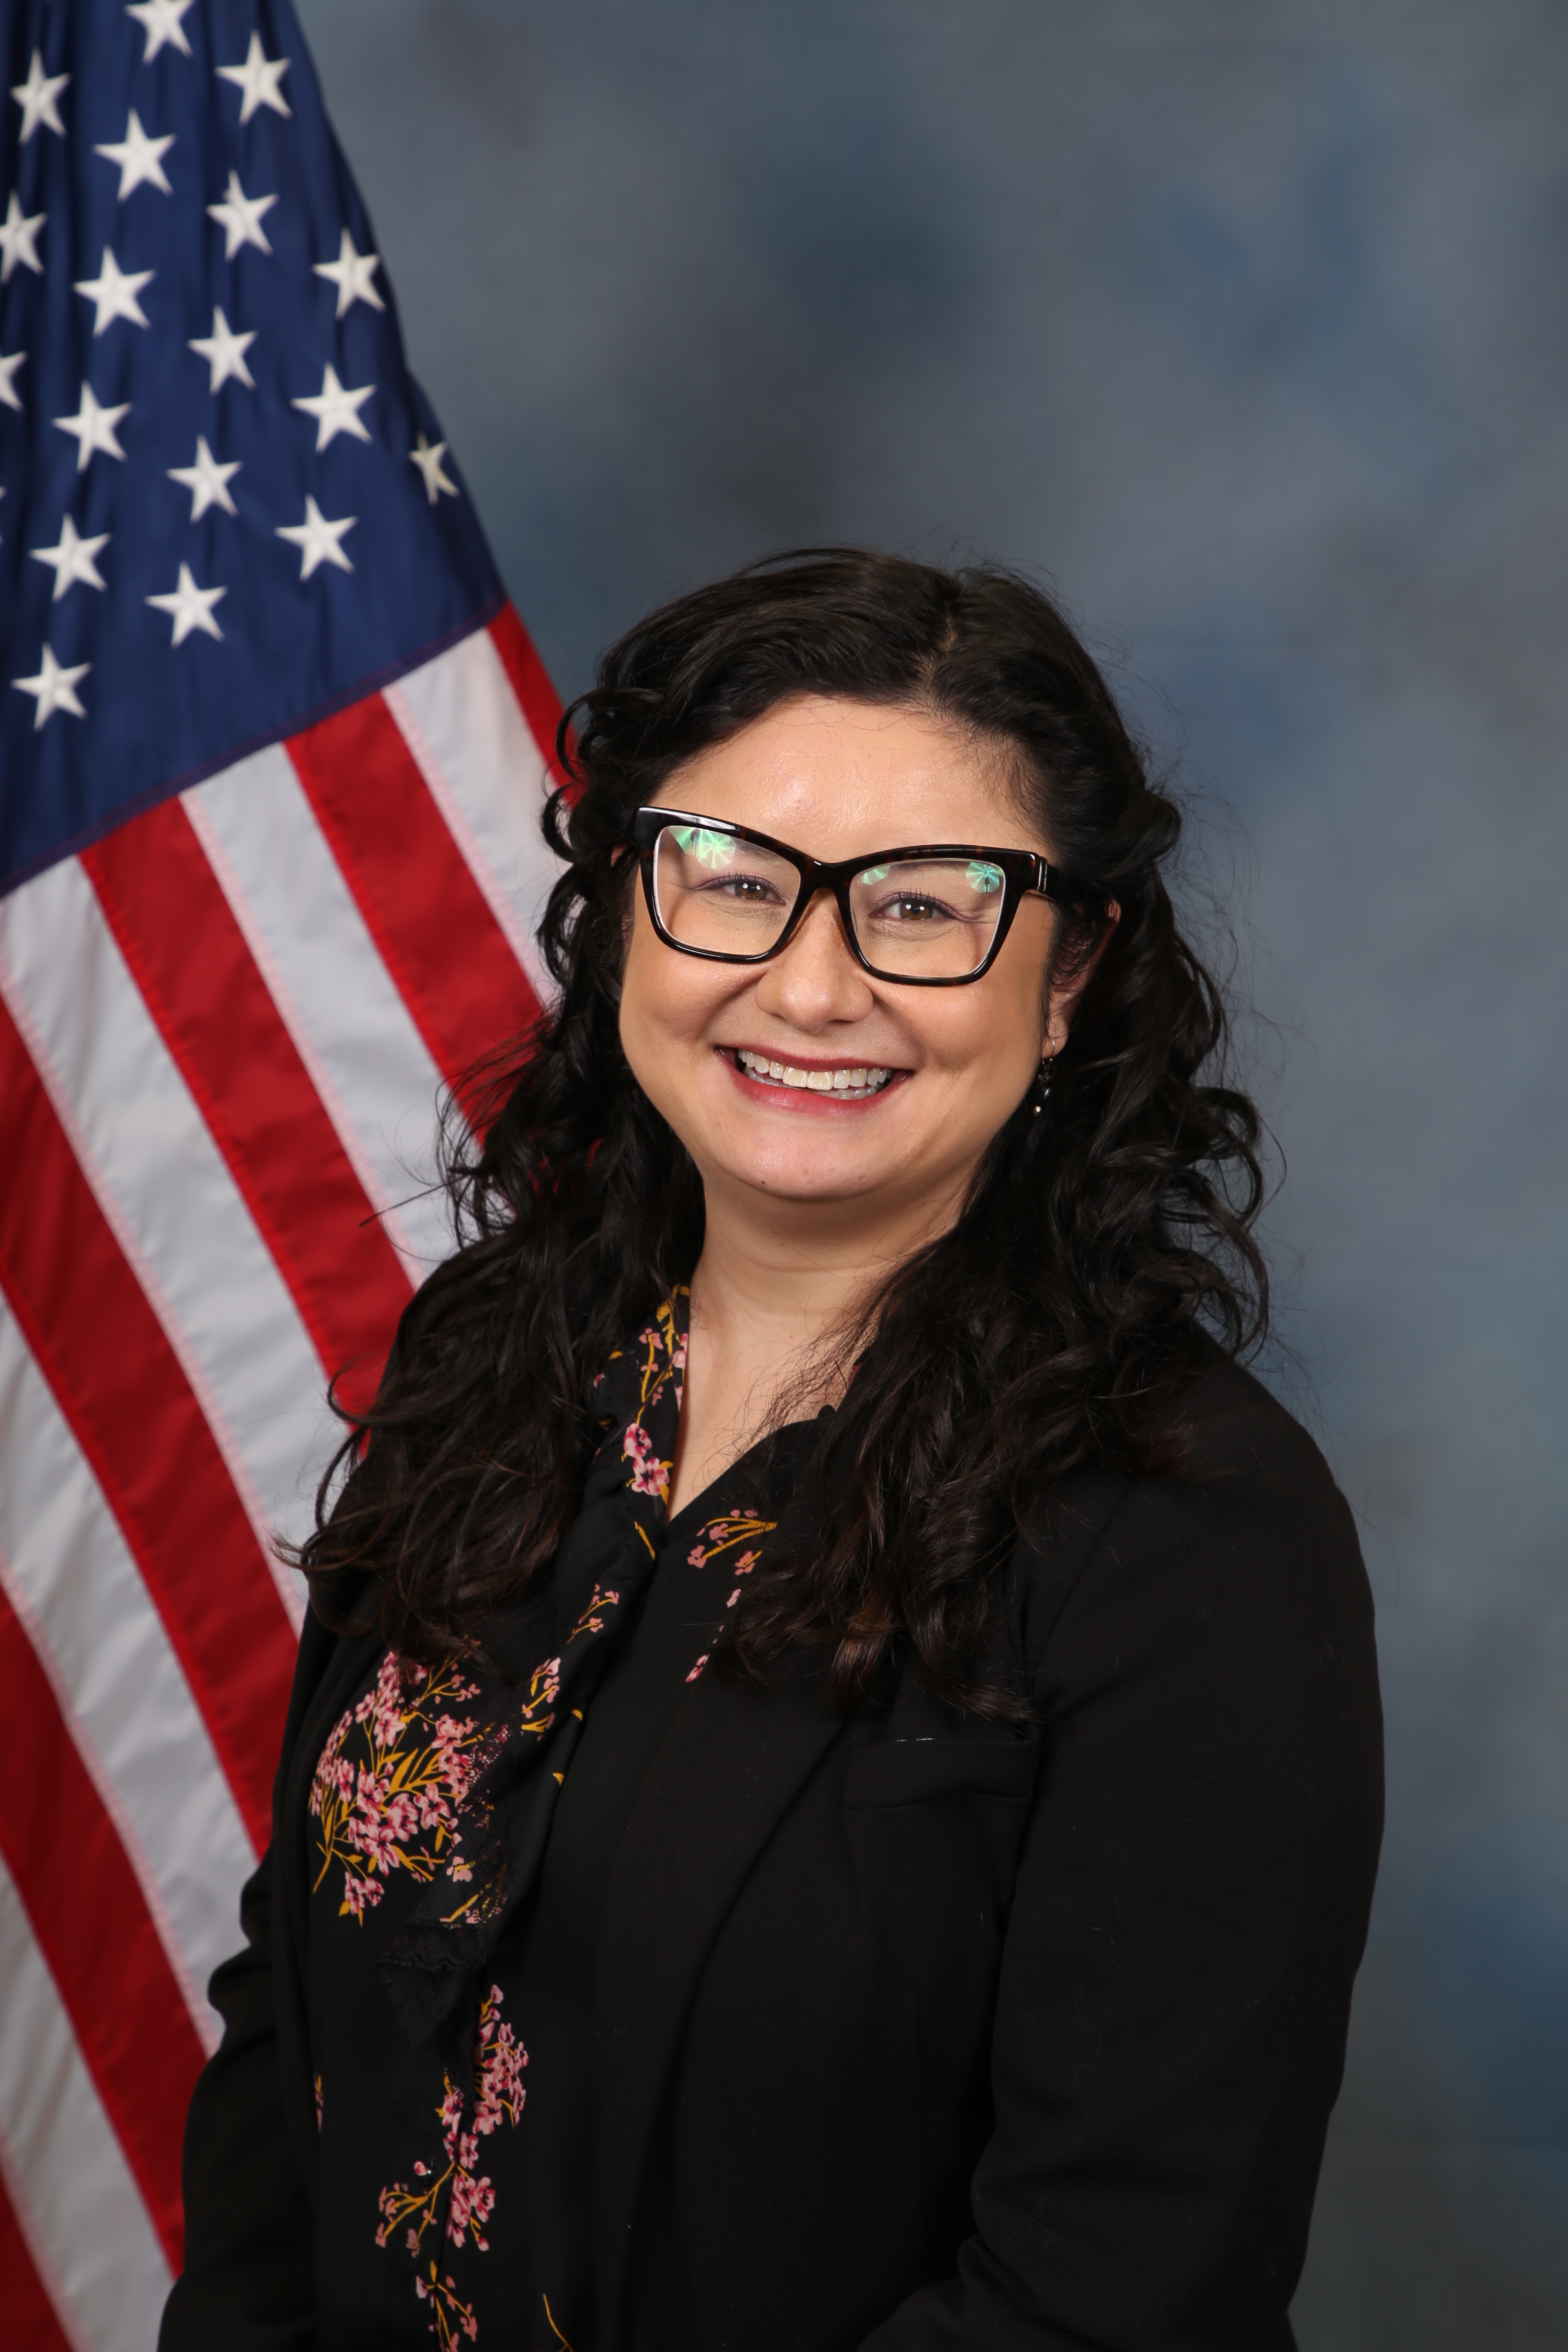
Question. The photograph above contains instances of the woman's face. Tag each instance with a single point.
(840, 780)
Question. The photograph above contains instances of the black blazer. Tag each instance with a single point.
(918, 2035)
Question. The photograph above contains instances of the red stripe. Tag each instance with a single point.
(131, 1411)
(215, 1015)
(94, 1929)
(530, 680)
(30, 2322)
(464, 988)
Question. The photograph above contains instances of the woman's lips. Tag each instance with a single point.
(859, 1082)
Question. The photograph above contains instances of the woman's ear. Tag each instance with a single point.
(1064, 992)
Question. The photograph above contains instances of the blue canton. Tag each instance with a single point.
(226, 506)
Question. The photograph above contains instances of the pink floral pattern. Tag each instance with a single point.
(390, 1781)
(412, 2208)
(535, 1718)
(718, 1537)
(592, 1619)
(659, 1355)
(650, 1475)
(413, 1777)
(723, 1535)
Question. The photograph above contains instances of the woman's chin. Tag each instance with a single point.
(822, 1176)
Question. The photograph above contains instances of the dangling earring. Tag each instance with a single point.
(1041, 1089)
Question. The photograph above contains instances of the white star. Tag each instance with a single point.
(316, 539)
(54, 688)
(140, 158)
(352, 273)
(160, 19)
(19, 239)
(335, 409)
(8, 379)
(224, 352)
(206, 481)
(259, 79)
(94, 428)
(114, 292)
(190, 608)
(72, 559)
(428, 460)
(239, 217)
(38, 99)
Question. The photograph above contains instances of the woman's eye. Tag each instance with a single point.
(747, 886)
(907, 908)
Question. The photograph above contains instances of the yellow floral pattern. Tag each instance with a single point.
(721, 1535)
(390, 1781)
(534, 1719)
(447, 1776)
(659, 1356)
(414, 2207)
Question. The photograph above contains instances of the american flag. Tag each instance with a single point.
(272, 746)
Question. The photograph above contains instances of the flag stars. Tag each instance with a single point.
(38, 98)
(206, 481)
(73, 559)
(163, 22)
(352, 273)
(8, 366)
(54, 688)
(239, 217)
(336, 409)
(224, 352)
(427, 457)
(259, 79)
(19, 239)
(318, 541)
(113, 292)
(94, 428)
(141, 159)
(190, 608)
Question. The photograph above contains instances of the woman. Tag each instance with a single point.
(833, 1787)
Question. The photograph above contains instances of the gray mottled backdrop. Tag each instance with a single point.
(1246, 320)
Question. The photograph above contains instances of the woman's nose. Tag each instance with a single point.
(815, 979)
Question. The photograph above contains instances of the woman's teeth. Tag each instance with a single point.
(854, 1084)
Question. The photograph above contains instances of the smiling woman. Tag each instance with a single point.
(834, 1780)
(835, 1105)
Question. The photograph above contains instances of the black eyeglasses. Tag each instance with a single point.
(928, 917)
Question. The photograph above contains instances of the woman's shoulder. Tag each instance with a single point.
(1239, 1443)
(1246, 1551)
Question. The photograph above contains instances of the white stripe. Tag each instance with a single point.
(43, 2261)
(67, 1571)
(366, 1059)
(461, 721)
(208, 2027)
(173, 1207)
(75, 2195)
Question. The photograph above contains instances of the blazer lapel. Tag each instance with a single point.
(723, 1780)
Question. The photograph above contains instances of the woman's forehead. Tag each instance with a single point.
(836, 776)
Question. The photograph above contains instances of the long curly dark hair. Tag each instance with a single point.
(1105, 1251)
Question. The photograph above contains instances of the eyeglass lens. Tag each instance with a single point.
(926, 918)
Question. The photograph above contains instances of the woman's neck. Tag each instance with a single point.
(777, 1284)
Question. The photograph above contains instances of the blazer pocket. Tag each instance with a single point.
(888, 1772)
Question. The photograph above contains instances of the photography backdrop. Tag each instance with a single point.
(1245, 322)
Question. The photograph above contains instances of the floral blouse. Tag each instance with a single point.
(463, 1823)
